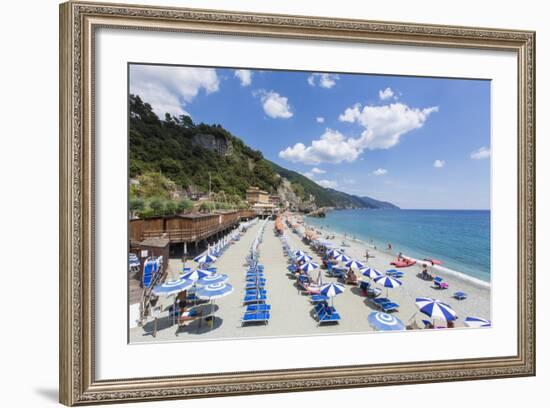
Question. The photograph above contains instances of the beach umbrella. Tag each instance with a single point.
(385, 322)
(472, 321)
(214, 278)
(133, 260)
(205, 259)
(171, 287)
(436, 309)
(309, 266)
(342, 257)
(371, 273)
(333, 253)
(354, 265)
(299, 252)
(304, 257)
(387, 282)
(212, 292)
(331, 289)
(196, 274)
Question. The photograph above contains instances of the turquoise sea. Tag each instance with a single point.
(459, 238)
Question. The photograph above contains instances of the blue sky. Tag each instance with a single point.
(417, 142)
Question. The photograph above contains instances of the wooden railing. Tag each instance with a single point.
(193, 233)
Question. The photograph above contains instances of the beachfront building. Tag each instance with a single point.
(256, 196)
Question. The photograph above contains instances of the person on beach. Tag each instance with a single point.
(400, 256)
(351, 277)
(389, 246)
(425, 274)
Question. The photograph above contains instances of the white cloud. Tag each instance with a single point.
(309, 175)
(350, 114)
(380, 172)
(327, 183)
(320, 119)
(275, 105)
(481, 153)
(323, 80)
(332, 147)
(317, 170)
(170, 89)
(384, 125)
(439, 163)
(385, 94)
(244, 75)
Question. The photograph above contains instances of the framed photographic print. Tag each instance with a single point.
(256, 203)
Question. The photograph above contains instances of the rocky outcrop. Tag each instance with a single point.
(215, 143)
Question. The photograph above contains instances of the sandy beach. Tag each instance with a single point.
(291, 312)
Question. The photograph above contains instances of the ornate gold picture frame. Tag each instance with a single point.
(78, 24)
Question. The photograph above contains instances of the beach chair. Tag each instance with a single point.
(389, 307)
(316, 298)
(385, 304)
(259, 307)
(460, 295)
(255, 298)
(338, 273)
(254, 285)
(327, 314)
(255, 291)
(439, 283)
(255, 317)
(394, 273)
(255, 278)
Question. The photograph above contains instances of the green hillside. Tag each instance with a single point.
(199, 156)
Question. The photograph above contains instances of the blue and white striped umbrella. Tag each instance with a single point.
(196, 274)
(331, 289)
(342, 257)
(172, 287)
(133, 259)
(205, 259)
(299, 252)
(214, 291)
(214, 278)
(309, 266)
(436, 309)
(304, 257)
(472, 321)
(387, 281)
(371, 273)
(384, 321)
(333, 252)
(354, 265)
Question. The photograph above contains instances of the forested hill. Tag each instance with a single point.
(192, 155)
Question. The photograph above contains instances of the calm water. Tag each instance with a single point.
(459, 238)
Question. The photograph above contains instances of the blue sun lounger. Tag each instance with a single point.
(394, 273)
(460, 295)
(258, 307)
(385, 304)
(255, 279)
(318, 298)
(254, 298)
(255, 317)
(252, 286)
(326, 314)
